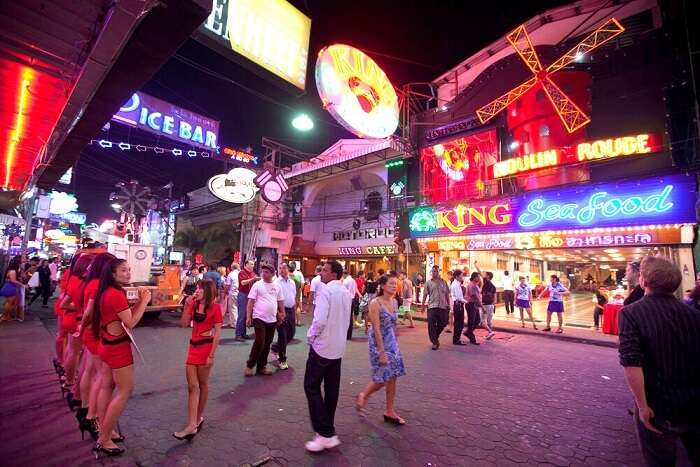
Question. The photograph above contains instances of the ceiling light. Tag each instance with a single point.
(303, 122)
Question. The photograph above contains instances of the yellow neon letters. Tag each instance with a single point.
(458, 219)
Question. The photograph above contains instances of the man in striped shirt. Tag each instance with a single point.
(660, 352)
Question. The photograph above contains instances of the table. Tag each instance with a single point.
(610, 314)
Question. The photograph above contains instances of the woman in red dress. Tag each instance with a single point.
(61, 335)
(111, 317)
(92, 364)
(205, 314)
(72, 305)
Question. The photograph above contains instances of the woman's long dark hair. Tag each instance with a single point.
(15, 264)
(106, 280)
(209, 289)
(98, 264)
(383, 279)
(79, 269)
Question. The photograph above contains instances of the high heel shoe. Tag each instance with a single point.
(111, 452)
(73, 403)
(119, 439)
(66, 392)
(81, 414)
(201, 424)
(187, 436)
(90, 426)
(57, 366)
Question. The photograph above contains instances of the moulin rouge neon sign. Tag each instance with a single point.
(610, 148)
(649, 201)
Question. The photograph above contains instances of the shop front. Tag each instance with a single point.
(363, 257)
(584, 234)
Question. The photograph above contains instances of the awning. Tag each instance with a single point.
(301, 247)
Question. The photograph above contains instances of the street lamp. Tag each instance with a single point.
(116, 206)
(303, 122)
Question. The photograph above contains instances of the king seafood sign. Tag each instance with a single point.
(660, 200)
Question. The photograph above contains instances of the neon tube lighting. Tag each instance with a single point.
(19, 126)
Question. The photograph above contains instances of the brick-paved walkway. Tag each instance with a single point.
(517, 400)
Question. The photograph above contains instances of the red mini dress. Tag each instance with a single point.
(201, 345)
(71, 318)
(90, 340)
(62, 285)
(115, 351)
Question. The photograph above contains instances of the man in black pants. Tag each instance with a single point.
(508, 293)
(438, 305)
(285, 330)
(473, 306)
(265, 310)
(327, 339)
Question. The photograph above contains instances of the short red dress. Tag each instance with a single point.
(63, 285)
(115, 351)
(91, 342)
(71, 318)
(201, 346)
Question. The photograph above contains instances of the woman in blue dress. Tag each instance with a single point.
(384, 354)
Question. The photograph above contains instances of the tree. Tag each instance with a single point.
(190, 240)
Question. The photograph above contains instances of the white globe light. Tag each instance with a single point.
(303, 122)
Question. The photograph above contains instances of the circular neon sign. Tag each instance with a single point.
(356, 91)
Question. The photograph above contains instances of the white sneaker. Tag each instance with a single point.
(320, 443)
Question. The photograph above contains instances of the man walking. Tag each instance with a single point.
(488, 301)
(316, 286)
(350, 284)
(246, 278)
(265, 310)
(231, 288)
(660, 352)
(285, 330)
(327, 340)
(298, 279)
(437, 292)
(508, 293)
(407, 297)
(458, 303)
(473, 306)
(53, 267)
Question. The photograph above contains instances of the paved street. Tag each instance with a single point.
(518, 399)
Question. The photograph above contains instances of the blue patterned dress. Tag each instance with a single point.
(395, 368)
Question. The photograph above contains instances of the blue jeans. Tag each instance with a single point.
(240, 321)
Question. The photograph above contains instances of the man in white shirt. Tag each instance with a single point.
(327, 340)
(285, 330)
(350, 284)
(315, 286)
(265, 309)
(508, 293)
(53, 267)
(231, 289)
(458, 303)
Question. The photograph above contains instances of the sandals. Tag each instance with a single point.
(559, 331)
(546, 329)
(359, 406)
(394, 420)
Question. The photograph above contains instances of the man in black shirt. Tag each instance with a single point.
(660, 352)
(601, 301)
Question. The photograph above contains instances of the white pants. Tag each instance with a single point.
(487, 316)
(231, 310)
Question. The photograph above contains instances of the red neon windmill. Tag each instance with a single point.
(571, 115)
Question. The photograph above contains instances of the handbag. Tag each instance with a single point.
(9, 289)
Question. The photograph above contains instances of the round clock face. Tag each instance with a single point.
(272, 191)
(140, 254)
(356, 91)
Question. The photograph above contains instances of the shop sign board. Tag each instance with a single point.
(237, 186)
(165, 119)
(659, 200)
(270, 33)
(529, 241)
(364, 234)
(380, 250)
(70, 217)
(610, 148)
(236, 155)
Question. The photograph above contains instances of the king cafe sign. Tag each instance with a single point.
(634, 145)
(659, 200)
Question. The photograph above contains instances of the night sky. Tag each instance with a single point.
(413, 41)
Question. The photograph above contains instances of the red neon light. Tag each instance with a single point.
(18, 131)
(570, 114)
(609, 148)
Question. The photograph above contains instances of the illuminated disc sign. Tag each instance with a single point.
(356, 91)
(237, 186)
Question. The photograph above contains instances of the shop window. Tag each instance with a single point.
(544, 130)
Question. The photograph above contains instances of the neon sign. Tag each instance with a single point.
(660, 200)
(163, 118)
(610, 148)
(380, 250)
(599, 206)
(356, 92)
(270, 33)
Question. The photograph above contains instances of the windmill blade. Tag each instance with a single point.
(570, 114)
(491, 109)
(520, 41)
(600, 36)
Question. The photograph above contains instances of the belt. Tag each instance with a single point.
(206, 340)
(119, 340)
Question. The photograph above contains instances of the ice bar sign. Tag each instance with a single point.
(165, 119)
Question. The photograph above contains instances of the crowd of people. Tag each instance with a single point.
(26, 275)
(659, 336)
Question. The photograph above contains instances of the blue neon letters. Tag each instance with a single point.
(599, 204)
